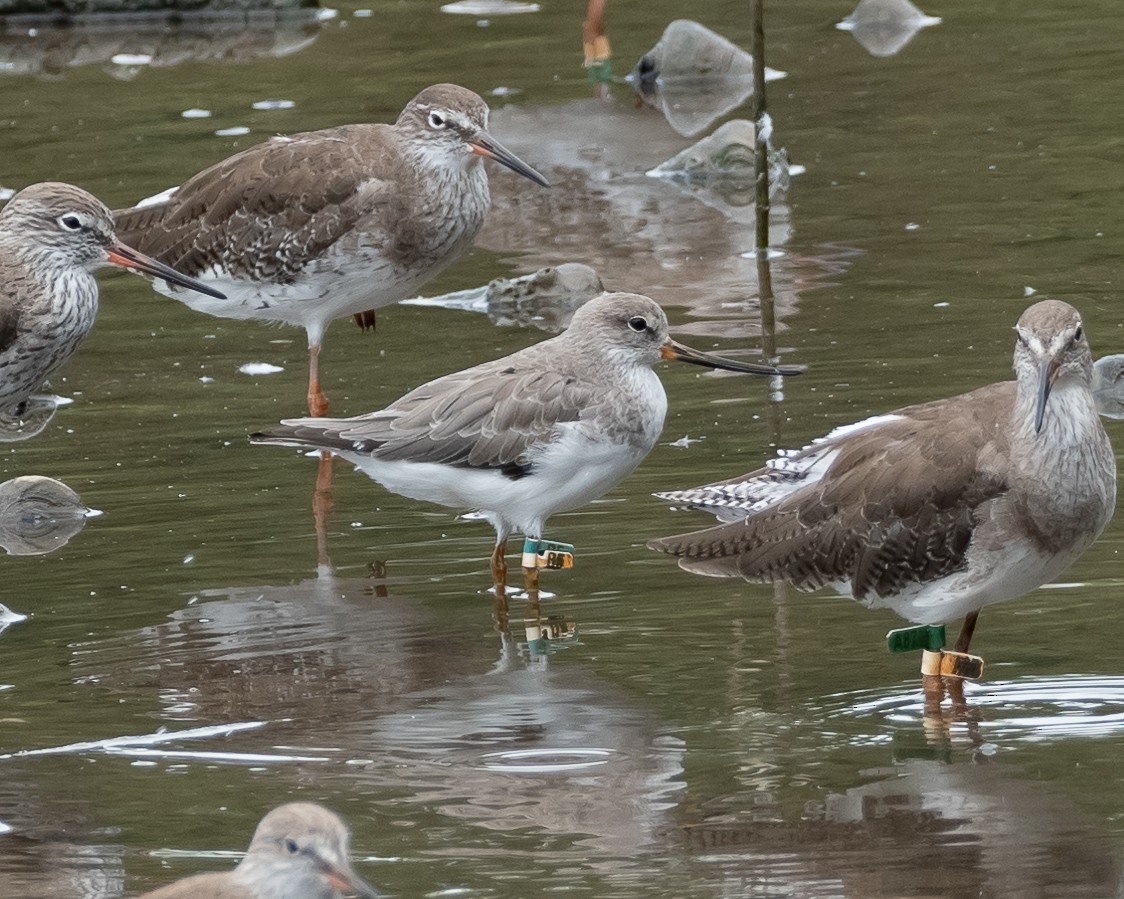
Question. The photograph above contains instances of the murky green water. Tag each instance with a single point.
(700, 738)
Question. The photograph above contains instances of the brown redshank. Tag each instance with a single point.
(52, 237)
(325, 224)
(548, 428)
(933, 511)
(299, 851)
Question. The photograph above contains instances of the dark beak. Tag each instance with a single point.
(483, 144)
(127, 257)
(1046, 372)
(673, 350)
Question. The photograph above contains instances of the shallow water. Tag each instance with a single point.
(694, 737)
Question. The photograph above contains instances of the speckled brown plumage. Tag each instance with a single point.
(934, 510)
(52, 237)
(331, 223)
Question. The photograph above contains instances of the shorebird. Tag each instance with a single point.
(326, 224)
(299, 851)
(52, 237)
(936, 510)
(548, 428)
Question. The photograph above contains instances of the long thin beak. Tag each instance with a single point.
(127, 257)
(487, 146)
(1046, 372)
(673, 350)
(353, 885)
(344, 879)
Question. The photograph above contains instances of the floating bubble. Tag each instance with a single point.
(489, 8)
(131, 59)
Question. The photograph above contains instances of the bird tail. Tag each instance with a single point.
(305, 433)
(701, 552)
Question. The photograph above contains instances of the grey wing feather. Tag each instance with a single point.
(461, 419)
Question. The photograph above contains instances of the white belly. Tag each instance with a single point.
(568, 474)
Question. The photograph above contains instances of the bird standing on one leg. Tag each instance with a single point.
(548, 428)
(52, 237)
(935, 510)
(331, 223)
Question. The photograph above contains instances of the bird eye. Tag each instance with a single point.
(70, 222)
(638, 323)
(292, 847)
(436, 120)
(1077, 334)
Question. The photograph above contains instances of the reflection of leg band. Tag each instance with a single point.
(547, 554)
(596, 50)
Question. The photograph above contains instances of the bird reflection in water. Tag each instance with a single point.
(960, 826)
(694, 76)
(29, 418)
(39, 515)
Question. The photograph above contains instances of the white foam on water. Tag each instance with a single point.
(259, 368)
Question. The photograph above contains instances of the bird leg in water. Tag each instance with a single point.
(501, 613)
(499, 568)
(365, 320)
(531, 583)
(317, 401)
(966, 631)
(322, 507)
(932, 685)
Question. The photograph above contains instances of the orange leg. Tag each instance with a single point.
(499, 568)
(317, 401)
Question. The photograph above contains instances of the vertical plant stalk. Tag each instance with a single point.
(761, 177)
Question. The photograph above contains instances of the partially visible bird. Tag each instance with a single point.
(52, 237)
(325, 224)
(548, 428)
(299, 851)
(936, 510)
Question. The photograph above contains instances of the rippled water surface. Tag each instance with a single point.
(193, 657)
